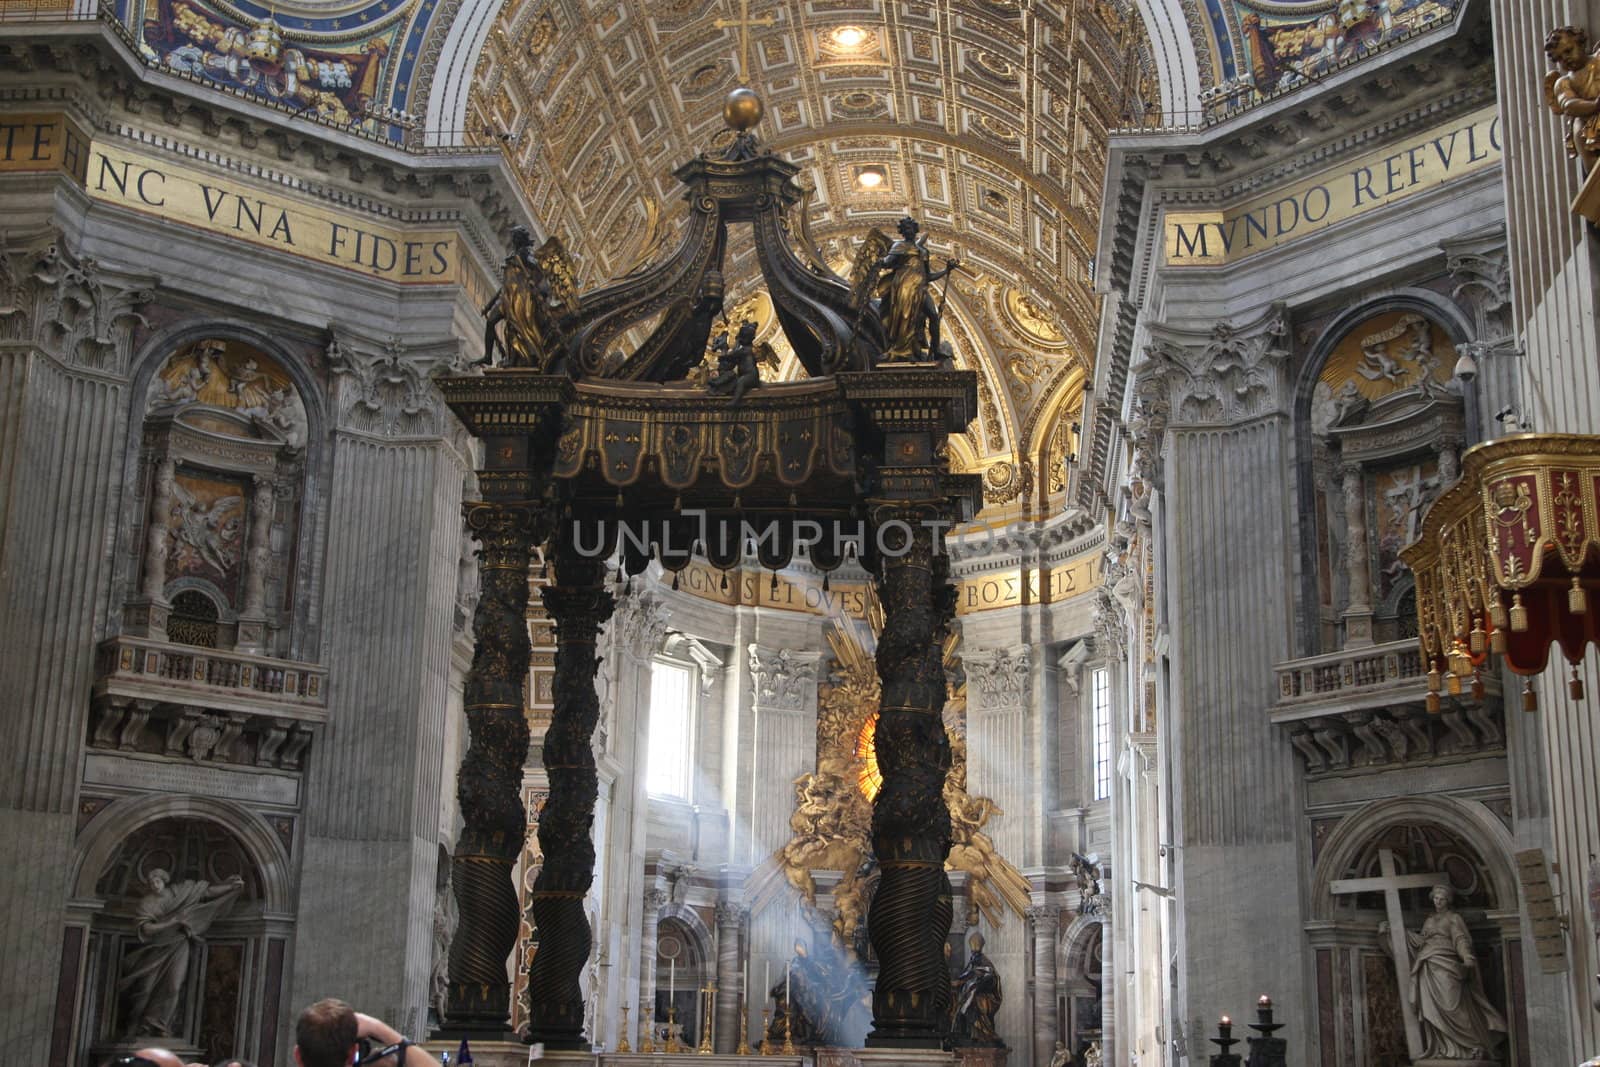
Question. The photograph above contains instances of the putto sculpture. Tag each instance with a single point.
(1572, 90)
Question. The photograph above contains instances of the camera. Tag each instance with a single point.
(1466, 367)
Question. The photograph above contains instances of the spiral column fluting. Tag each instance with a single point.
(579, 604)
(489, 787)
(911, 909)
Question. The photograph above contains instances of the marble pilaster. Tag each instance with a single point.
(649, 931)
(63, 436)
(731, 920)
(1358, 566)
(1044, 922)
(375, 786)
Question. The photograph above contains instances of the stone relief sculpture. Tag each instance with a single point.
(977, 999)
(1572, 90)
(171, 920)
(446, 917)
(1458, 1022)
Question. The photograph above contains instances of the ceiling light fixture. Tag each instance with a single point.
(849, 36)
(871, 177)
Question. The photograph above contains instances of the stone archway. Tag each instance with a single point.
(1360, 1016)
(1081, 1005)
(685, 960)
(228, 1003)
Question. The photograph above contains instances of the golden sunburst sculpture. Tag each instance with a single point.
(832, 820)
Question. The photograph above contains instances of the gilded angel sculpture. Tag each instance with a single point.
(1573, 90)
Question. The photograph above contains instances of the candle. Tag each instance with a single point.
(672, 979)
(1264, 1002)
(766, 981)
(787, 967)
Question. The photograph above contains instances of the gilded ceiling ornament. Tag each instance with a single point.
(1024, 313)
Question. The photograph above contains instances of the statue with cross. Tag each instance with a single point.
(1448, 1019)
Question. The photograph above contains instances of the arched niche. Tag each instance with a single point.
(225, 983)
(684, 963)
(1080, 958)
(1381, 422)
(219, 486)
(1357, 987)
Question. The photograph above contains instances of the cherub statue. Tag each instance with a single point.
(736, 367)
(1573, 90)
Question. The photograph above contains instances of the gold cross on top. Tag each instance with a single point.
(744, 22)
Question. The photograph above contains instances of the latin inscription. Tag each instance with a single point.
(1217, 238)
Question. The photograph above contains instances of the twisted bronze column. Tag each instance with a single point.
(911, 910)
(489, 787)
(579, 605)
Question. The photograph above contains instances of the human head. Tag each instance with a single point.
(158, 879)
(1441, 895)
(520, 236)
(325, 1035)
(1567, 46)
(976, 942)
(908, 227)
(158, 1057)
(747, 331)
(233, 1063)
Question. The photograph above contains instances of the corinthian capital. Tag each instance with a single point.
(1001, 676)
(640, 621)
(68, 305)
(783, 678)
(1227, 374)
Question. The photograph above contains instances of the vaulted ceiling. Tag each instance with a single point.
(986, 119)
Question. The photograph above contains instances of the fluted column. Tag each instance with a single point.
(147, 615)
(1358, 568)
(911, 909)
(650, 933)
(731, 918)
(1045, 922)
(489, 785)
(579, 604)
(257, 560)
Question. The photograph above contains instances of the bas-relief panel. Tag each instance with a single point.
(1385, 354)
(231, 388)
(1400, 497)
(206, 527)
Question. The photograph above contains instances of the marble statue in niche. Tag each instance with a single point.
(1446, 989)
(978, 998)
(172, 920)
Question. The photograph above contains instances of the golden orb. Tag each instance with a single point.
(743, 109)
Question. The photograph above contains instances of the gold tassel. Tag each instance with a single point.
(737, 505)
(1530, 699)
(1433, 703)
(1577, 602)
(1497, 613)
(824, 581)
(1575, 684)
(619, 500)
(677, 503)
(1453, 684)
(1434, 680)
(724, 581)
(1479, 640)
(774, 583)
(674, 581)
(1519, 615)
(1497, 642)
(1477, 686)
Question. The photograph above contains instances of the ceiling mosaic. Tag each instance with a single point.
(986, 119)
(350, 63)
(1274, 45)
